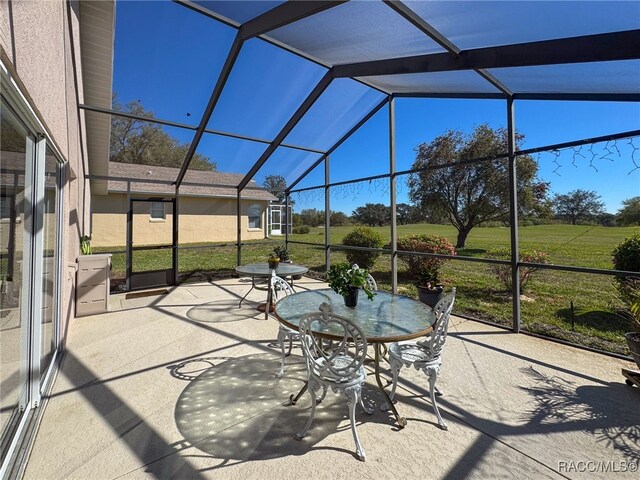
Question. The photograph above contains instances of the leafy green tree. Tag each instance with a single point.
(629, 214)
(470, 194)
(338, 219)
(578, 206)
(406, 214)
(372, 214)
(277, 185)
(136, 141)
(312, 217)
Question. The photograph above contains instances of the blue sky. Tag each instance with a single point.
(169, 57)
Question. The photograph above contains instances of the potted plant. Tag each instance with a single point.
(626, 256)
(273, 261)
(281, 252)
(629, 289)
(85, 245)
(426, 270)
(633, 337)
(347, 281)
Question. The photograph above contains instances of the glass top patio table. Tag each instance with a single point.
(388, 318)
(263, 270)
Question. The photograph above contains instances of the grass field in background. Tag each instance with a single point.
(546, 303)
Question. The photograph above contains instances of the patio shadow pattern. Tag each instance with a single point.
(194, 399)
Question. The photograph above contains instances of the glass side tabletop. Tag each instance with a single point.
(387, 318)
(263, 270)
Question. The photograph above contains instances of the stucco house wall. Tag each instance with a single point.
(40, 61)
(206, 202)
(201, 219)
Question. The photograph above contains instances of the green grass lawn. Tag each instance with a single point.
(546, 303)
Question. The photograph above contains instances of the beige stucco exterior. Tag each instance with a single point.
(36, 50)
(202, 219)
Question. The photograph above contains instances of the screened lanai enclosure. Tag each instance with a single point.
(488, 148)
(295, 122)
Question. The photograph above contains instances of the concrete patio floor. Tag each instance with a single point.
(182, 385)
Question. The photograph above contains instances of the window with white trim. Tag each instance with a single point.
(156, 211)
(255, 216)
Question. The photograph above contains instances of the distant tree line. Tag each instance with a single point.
(576, 207)
(450, 186)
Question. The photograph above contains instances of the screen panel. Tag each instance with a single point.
(239, 12)
(156, 65)
(266, 86)
(341, 106)
(596, 77)
(477, 24)
(356, 32)
(286, 163)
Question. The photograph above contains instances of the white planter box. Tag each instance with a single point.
(93, 284)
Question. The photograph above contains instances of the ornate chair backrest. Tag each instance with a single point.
(442, 311)
(371, 282)
(345, 357)
(279, 286)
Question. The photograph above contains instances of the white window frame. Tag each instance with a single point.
(153, 218)
(250, 215)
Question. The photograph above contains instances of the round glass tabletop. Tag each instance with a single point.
(263, 270)
(388, 318)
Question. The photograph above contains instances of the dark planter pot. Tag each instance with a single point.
(430, 296)
(351, 298)
(633, 341)
(273, 264)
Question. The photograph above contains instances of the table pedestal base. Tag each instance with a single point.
(263, 307)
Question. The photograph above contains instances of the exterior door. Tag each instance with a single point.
(152, 233)
(276, 221)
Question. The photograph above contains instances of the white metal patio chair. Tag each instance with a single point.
(339, 368)
(279, 288)
(371, 282)
(425, 355)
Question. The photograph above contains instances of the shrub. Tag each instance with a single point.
(281, 252)
(301, 230)
(503, 272)
(425, 270)
(626, 256)
(363, 237)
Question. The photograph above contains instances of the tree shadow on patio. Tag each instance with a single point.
(221, 311)
(239, 411)
(607, 412)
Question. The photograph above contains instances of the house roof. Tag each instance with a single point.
(159, 180)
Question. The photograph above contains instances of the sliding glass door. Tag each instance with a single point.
(50, 260)
(17, 147)
(30, 246)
